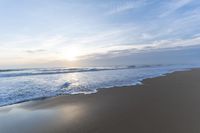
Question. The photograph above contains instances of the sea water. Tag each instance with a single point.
(19, 85)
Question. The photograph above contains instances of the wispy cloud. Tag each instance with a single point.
(174, 5)
(125, 6)
(35, 51)
(154, 46)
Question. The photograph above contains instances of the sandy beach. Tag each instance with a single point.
(167, 104)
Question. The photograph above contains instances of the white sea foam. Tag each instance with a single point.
(19, 85)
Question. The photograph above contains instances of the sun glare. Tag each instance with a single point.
(71, 54)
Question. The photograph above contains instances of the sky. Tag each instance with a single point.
(53, 33)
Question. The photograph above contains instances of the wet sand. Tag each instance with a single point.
(167, 104)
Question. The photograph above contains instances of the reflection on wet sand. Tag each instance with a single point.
(20, 120)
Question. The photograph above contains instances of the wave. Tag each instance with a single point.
(21, 89)
(48, 71)
(14, 73)
(11, 70)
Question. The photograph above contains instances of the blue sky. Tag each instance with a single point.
(37, 33)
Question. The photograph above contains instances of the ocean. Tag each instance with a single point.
(20, 85)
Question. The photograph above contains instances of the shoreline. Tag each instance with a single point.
(163, 104)
(140, 82)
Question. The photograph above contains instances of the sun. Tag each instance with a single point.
(71, 54)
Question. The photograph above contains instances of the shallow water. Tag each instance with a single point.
(18, 85)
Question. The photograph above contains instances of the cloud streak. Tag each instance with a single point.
(36, 51)
(174, 5)
(160, 45)
(125, 6)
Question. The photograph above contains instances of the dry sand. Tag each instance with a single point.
(168, 104)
